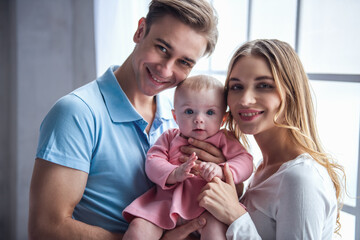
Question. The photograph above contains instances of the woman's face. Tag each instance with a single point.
(253, 97)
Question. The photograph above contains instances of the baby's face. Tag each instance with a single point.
(199, 114)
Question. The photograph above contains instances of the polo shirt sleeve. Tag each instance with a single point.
(66, 134)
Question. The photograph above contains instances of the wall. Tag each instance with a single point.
(47, 49)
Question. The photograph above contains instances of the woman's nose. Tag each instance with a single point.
(247, 98)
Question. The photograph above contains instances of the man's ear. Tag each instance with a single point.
(140, 31)
(174, 115)
(224, 118)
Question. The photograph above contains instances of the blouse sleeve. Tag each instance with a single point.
(242, 228)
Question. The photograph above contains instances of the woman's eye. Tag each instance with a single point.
(210, 112)
(189, 111)
(265, 85)
(235, 87)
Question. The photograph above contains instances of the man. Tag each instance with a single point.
(93, 142)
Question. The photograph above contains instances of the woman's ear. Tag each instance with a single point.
(174, 115)
(140, 31)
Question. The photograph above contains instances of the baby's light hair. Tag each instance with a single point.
(198, 83)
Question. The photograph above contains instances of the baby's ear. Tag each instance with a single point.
(224, 118)
(174, 115)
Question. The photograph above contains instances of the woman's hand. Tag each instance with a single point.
(182, 232)
(220, 198)
(205, 151)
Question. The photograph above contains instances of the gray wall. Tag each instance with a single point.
(47, 49)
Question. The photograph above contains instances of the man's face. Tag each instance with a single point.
(165, 56)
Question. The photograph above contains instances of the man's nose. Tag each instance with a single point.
(166, 68)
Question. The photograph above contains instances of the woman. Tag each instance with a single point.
(295, 191)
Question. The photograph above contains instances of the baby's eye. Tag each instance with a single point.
(189, 111)
(210, 112)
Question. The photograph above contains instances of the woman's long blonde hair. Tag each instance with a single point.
(296, 104)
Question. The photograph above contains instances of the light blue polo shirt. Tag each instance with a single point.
(95, 129)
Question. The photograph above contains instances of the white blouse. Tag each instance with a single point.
(296, 202)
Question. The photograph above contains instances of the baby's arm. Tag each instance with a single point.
(209, 170)
(183, 171)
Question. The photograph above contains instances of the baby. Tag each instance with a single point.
(199, 110)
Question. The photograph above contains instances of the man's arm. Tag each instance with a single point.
(54, 192)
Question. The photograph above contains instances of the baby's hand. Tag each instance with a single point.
(209, 170)
(183, 171)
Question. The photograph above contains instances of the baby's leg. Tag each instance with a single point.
(214, 229)
(140, 228)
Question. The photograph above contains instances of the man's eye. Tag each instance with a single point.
(189, 111)
(210, 112)
(185, 63)
(161, 48)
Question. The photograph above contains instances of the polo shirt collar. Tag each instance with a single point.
(118, 105)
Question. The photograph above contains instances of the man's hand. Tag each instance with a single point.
(182, 232)
(205, 151)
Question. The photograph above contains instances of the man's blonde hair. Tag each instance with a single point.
(198, 14)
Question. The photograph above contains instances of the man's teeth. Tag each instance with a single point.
(156, 80)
